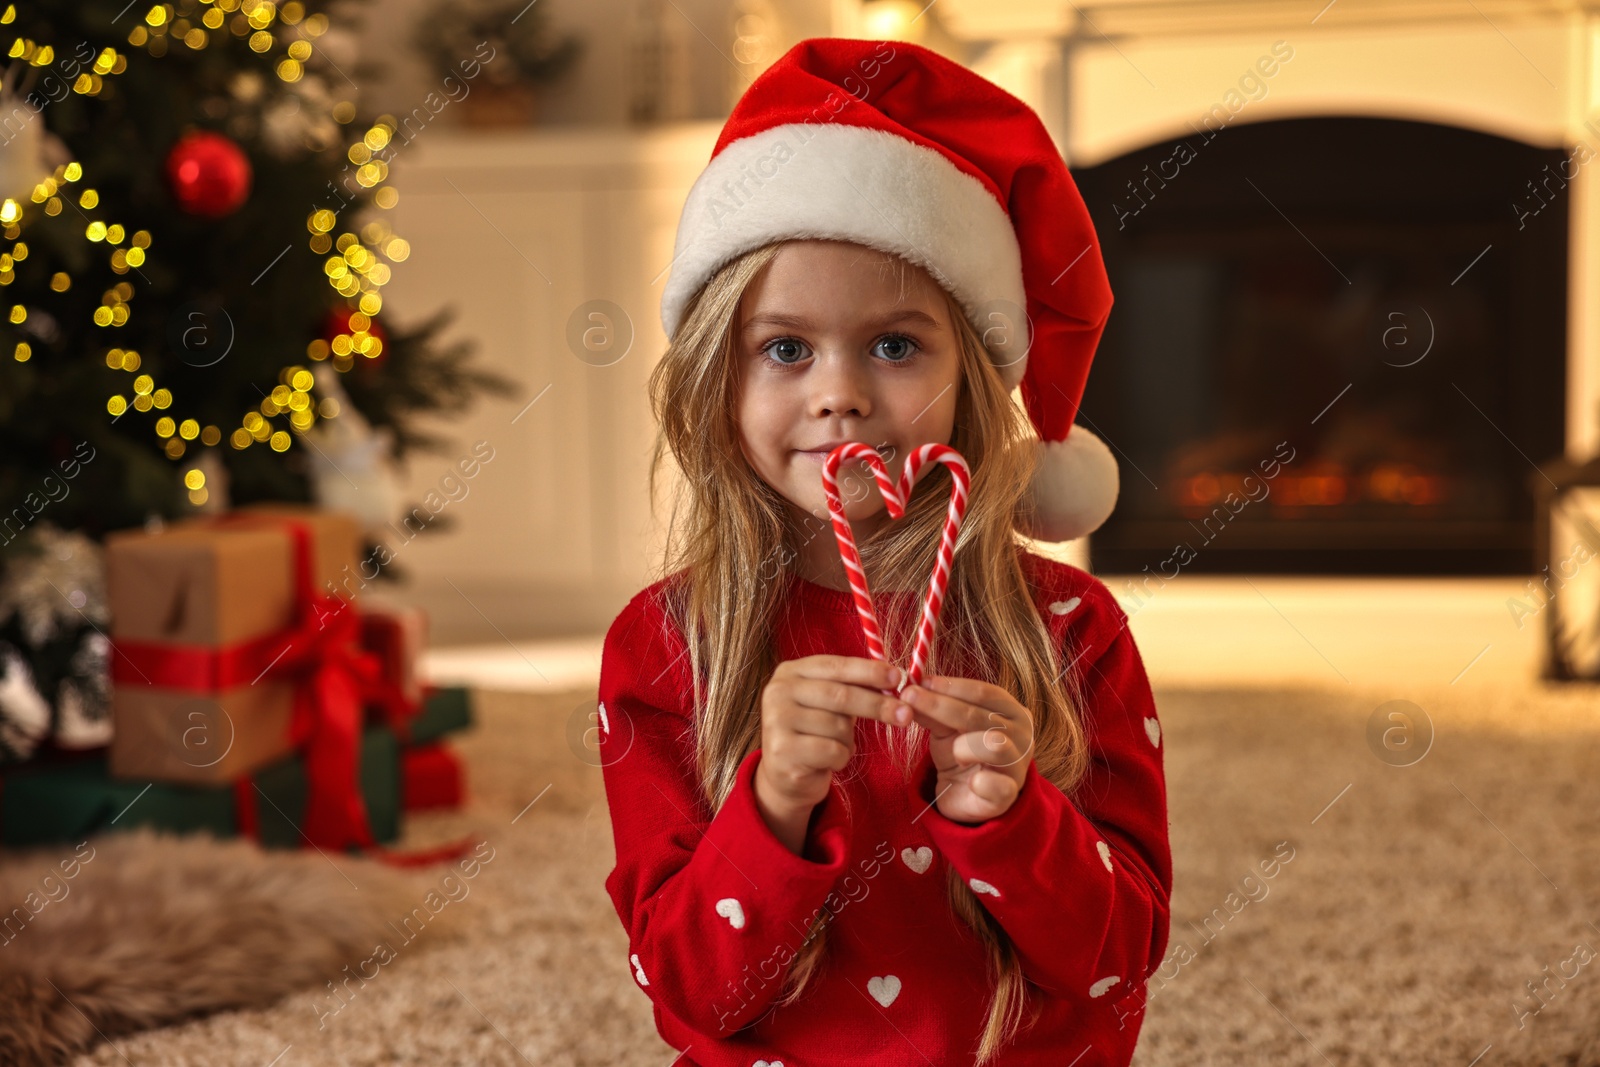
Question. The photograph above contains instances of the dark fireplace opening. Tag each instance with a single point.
(1337, 347)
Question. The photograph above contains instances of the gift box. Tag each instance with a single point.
(202, 611)
(68, 801)
(432, 777)
(397, 636)
(445, 710)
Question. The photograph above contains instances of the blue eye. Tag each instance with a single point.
(781, 350)
(900, 348)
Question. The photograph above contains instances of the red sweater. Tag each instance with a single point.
(715, 906)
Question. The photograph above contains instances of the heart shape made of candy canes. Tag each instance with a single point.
(897, 498)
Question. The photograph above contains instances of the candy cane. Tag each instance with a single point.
(897, 498)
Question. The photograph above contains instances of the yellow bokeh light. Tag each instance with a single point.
(164, 427)
(188, 429)
(194, 478)
(280, 441)
(117, 405)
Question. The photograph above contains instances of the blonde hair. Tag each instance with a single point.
(732, 539)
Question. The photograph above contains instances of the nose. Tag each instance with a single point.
(839, 385)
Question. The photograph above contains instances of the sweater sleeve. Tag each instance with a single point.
(714, 905)
(1082, 888)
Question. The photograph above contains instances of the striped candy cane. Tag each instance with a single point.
(897, 498)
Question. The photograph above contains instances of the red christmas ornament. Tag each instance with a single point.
(338, 322)
(209, 174)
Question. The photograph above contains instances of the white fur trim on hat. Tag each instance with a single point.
(851, 183)
(1074, 488)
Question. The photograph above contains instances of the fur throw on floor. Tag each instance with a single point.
(139, 929)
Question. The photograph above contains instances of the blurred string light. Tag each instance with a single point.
(355, 270)
(893, 20)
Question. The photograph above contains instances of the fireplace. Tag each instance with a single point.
(1338, 345)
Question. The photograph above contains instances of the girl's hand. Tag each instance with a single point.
(981, 741)
(809, 709)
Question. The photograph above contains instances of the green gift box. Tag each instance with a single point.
(67, 802)
(445, 710)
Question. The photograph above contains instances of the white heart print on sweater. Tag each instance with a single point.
(1152, 730)
(638, 971)
(917, 859)
(768, 1063)
(1063, 607)
(605, 725)
(884, 989)
(1100, 988)
(1105, 855)
(733, 911)
(980, 886)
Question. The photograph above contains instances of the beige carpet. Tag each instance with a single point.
(1417, 904)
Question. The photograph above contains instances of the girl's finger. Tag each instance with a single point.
(817, 753)
(973, 691)
(843, 698)
(993, 787)
(818, 723)
(857, 670)
(988, 748)
(949, 711)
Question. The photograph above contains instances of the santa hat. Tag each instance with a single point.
(892, 146)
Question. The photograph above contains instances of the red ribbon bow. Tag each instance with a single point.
(334, 680)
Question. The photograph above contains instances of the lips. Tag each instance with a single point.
(821, 451)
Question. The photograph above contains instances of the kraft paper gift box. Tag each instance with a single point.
(195, 610)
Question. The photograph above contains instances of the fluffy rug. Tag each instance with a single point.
(130, 931)
(1427, 917)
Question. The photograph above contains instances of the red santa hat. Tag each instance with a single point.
(892, 146)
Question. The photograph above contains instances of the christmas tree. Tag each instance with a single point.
(195, 248)
(195, 245)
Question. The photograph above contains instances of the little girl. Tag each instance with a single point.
(813, 868)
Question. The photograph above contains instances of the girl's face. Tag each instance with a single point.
(831, 350)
